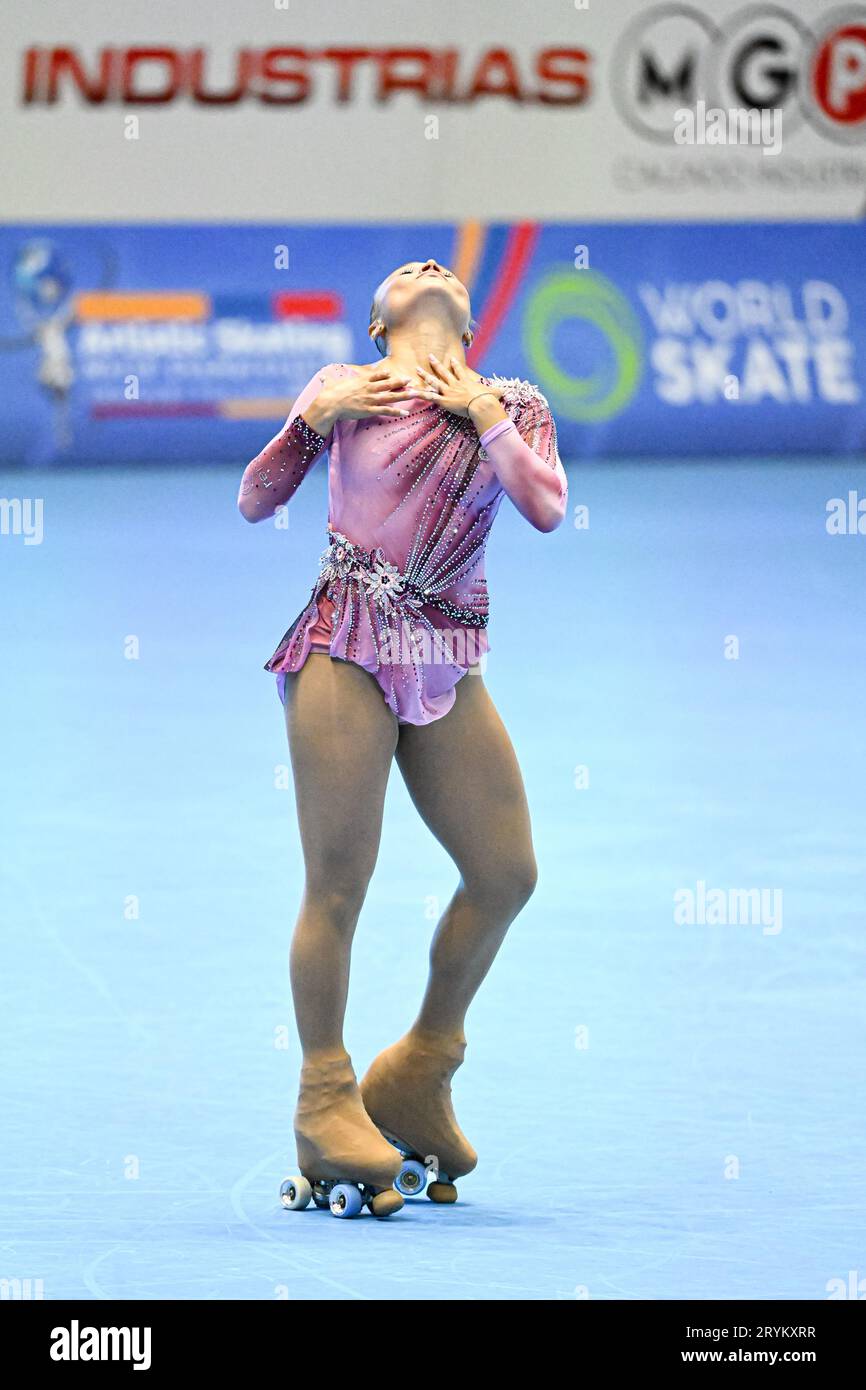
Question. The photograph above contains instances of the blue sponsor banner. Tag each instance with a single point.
(188, 343)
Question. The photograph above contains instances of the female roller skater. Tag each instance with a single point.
(421, 452)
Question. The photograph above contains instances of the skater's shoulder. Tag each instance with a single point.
(517, 391)
(336, 370)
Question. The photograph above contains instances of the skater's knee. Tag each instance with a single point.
(337, 897)
(521, 880)
(507, 884)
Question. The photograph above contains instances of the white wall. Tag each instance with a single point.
(494, 160)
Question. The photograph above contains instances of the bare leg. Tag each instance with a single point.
(462, 774)
(342, 738)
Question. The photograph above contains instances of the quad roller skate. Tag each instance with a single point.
(407, 1093)
(345, 1163)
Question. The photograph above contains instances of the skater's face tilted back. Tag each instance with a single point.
(421, 307)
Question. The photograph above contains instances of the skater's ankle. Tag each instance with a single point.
(449, 1038)
(324, 1058)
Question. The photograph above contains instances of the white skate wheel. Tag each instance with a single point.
(346, 1200)
(295, 1194)
(411, 1179)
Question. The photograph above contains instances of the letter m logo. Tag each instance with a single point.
(677, 82)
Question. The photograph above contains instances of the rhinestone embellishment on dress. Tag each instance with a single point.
(382, 581)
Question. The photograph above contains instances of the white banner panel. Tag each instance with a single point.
(335, 110)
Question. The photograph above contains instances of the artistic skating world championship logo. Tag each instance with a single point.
(584, 344)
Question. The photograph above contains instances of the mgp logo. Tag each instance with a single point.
(763, 58)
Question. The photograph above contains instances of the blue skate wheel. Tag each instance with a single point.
(346, 1200)
(295, 1194)
(411, 1179)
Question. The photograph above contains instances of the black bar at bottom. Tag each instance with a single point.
(158, 1339)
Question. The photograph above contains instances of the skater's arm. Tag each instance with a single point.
(275, 474)
(525, 458)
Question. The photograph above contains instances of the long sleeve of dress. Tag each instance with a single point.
(526, 460)
(275, 474)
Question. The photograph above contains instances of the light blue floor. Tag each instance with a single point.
(146, 1099)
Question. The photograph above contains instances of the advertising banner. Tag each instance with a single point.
(341, 112)
(152, 344)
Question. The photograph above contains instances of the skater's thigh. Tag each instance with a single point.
(462, 774)
(342, 738)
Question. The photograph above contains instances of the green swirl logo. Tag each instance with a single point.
(565, 295)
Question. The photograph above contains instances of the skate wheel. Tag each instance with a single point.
(295, 1194)
(442, 1192)
(411, 1179)
(386, 1203)
(346, 1200)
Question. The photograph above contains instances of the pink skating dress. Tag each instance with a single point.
(401, 589)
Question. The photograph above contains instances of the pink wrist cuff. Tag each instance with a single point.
(495, 431)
